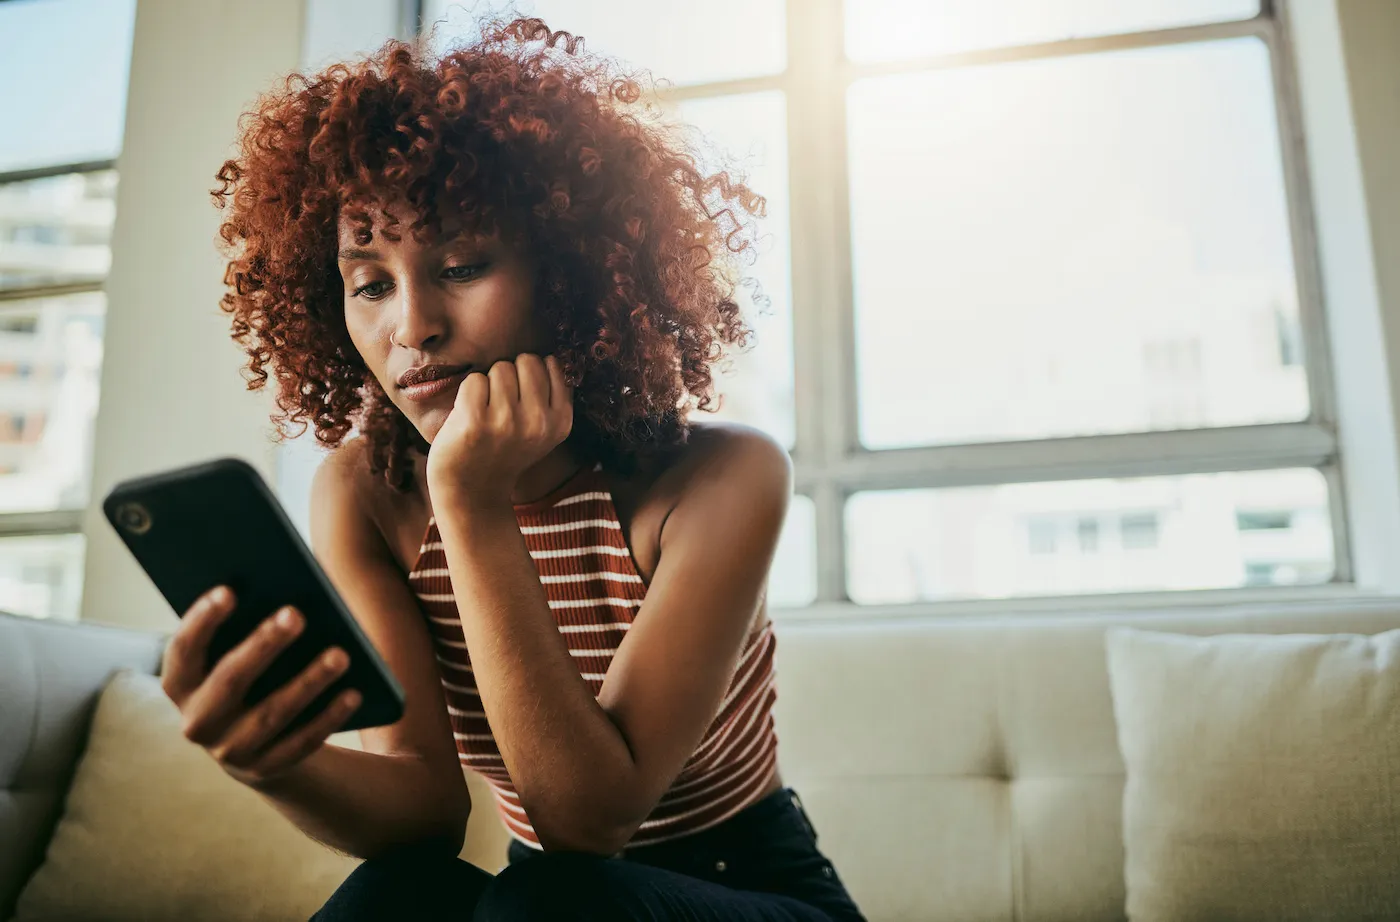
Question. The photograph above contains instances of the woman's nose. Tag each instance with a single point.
(421, 321)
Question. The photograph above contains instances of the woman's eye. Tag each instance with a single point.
(372, 291)
(461, 273)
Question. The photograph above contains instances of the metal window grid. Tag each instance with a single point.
(831, 464)
(57, 521)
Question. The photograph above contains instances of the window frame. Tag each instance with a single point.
(829, 460)
(64, 521)
(830, 463)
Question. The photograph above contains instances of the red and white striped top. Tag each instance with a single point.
(595, 592)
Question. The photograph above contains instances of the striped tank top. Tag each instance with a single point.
(595, 592)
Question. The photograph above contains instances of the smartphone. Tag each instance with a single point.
(218, 524)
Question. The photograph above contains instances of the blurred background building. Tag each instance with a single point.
(1043, 308)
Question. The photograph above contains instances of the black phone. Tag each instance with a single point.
(218, 524)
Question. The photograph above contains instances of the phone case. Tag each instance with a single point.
(217, 523)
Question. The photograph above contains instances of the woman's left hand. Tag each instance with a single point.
(503, 422)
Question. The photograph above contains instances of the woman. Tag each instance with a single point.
(514, 288)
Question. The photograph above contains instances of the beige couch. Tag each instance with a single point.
(959, 769)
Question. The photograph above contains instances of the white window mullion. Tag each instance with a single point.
(1142, 454)
(1341, 530)
(1316, 348)
(58, 522)
(821, 288)
(1259, 26)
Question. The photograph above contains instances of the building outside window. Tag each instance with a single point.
(57, 204)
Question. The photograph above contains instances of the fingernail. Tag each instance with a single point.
(286, 617)
(334, 659)
(351, 699)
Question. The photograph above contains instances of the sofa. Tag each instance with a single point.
(962, 768)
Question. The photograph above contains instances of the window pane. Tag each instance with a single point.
(792, 582)
(64, 69)
(883, 30)
(1072, 246)
(41, 576)
(1089, 536)
(50, 361)
(682, 43)
(750, 132)
(57, 230)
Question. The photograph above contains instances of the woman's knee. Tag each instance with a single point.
(557, 886)
(420, 877)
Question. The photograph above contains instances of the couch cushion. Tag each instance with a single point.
(967, 769)
(1263, 775)
(154, 830)
(50, 677)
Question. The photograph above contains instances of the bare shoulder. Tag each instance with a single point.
(344, 493)
(342, 478)
(722, 461)
(734, 454)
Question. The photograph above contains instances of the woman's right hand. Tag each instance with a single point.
(244, 740)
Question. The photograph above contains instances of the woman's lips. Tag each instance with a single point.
(426, 390)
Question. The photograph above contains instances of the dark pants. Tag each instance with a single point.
(759, 866)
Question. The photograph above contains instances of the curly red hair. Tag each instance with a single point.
(518, 132)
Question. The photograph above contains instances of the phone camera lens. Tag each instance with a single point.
(134, 518)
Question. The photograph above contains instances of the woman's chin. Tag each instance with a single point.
(429, 423)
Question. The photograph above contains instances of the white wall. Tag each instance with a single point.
(171, 390)
(1348, 58)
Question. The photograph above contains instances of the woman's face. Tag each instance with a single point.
(424, 315)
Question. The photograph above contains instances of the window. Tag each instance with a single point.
(57, 206)
(1139, 531)
(1088, 535)
(1262, 521)
(1041, 317)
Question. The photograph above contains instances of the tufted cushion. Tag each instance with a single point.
(50, 677)
(961, 768)
(967, 770)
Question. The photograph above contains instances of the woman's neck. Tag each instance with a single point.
(547, 474)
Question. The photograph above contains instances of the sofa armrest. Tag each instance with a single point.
(50, 676)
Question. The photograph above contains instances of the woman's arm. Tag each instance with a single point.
(589, 771)
(407, 785)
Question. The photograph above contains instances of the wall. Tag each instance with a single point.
(170, 380)
(1348, 62)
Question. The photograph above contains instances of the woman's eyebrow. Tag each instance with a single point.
(357, 253)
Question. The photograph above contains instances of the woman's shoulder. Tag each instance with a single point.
(696, 485)
(717, 456)
(345, 480)
(344, 473)
(732, 448)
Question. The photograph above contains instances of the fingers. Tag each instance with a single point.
(560, 393)
(251, 733)
(534, 381)
(211, 707)
(474, 392)
(505, 385)
(183, 662)
(309, 738)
